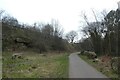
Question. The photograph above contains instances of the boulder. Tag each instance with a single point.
(17, 56)
(91, 55)
(86, 53)
(96, 60)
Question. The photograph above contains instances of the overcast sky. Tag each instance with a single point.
(67, 12)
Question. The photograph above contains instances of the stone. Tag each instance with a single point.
(17, 56)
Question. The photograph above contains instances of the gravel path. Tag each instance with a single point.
(80, 69)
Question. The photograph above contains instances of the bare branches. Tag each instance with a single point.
(95, 15)
(71, 36)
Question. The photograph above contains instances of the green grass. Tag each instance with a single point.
(34, 65)
(100, 68)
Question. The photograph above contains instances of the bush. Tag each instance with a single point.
(90, 55)
(115, 63)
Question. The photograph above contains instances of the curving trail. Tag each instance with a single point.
(80, 69)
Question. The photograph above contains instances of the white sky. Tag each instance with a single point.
(67, 12)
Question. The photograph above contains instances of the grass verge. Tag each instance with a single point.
(109, 73)
(34, 65)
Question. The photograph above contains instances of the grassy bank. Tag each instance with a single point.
(35, 65)
(108, 72)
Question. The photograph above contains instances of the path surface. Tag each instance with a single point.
(80, 69)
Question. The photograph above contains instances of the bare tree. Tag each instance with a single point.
(93, 32)
(71, 36)
(58, 30)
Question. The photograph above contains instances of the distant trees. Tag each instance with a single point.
(37, 37)
(71, 36)
(102, 36)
